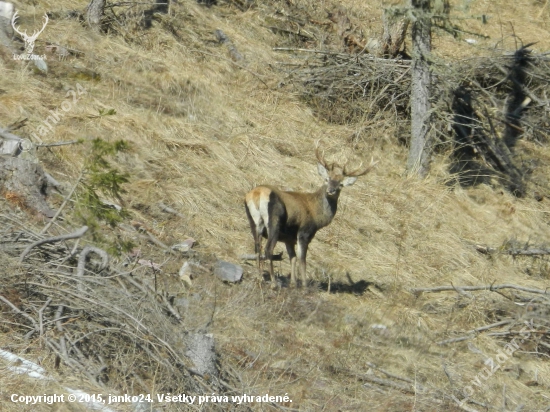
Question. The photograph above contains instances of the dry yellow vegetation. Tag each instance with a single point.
(204, 129)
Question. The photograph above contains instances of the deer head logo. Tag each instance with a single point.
(29, 40)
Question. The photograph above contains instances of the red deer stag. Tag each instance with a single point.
(293, 217)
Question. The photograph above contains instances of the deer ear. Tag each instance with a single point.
(322, 171)
(348, 181)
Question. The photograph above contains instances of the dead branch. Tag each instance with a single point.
(528, 252)
(84, 254)
(391, 375)
(386, 382)
(223, 39)
(58, 143)
(20, 312)
(168, 209)
(513, 251)
(155, 241)
(491, 288)
(254, 256)
(41, 316)
(150, 292)
(474, 331)
(75, 235)
(65, 201)
(5, 134)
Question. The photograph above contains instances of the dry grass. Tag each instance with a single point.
(203, 132)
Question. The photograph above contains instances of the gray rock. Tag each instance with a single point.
(228, 271)
(202, 353)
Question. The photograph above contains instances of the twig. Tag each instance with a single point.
(75, 235)
(36, 328)
(40, 316)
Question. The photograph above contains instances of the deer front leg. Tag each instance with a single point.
(303, 243)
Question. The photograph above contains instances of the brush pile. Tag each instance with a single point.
(104, 321)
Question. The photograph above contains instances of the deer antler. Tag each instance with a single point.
(360, 172)
(321, 158)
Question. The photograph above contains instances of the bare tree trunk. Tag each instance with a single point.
(94, 13)
(420, 147)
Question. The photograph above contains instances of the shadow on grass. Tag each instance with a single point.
(351, 287)
(356, 288)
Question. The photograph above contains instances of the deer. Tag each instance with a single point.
(29, 40)
(295, 217)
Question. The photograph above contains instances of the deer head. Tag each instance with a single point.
(29, 40)
(336, 177)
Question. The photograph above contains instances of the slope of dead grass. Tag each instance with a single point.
(203, 132)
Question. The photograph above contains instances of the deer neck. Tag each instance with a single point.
(326, 206)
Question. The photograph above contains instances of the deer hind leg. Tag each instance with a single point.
(273, 236)
(290, 249)
(256, 227)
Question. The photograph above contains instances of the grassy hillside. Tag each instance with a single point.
(203, 129)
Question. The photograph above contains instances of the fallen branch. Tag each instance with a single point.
(398, 62)
(528, 252)
(391, 375)
(84, 254)
(491, 288)
(387, 382)
(41, 316)
(36, 328)
(58, 143)
(53, 219)
(536, 251)
(254, 256)
(75, 235)
(168, 209)
(474, 331)
(223, 39)
(4, 133)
